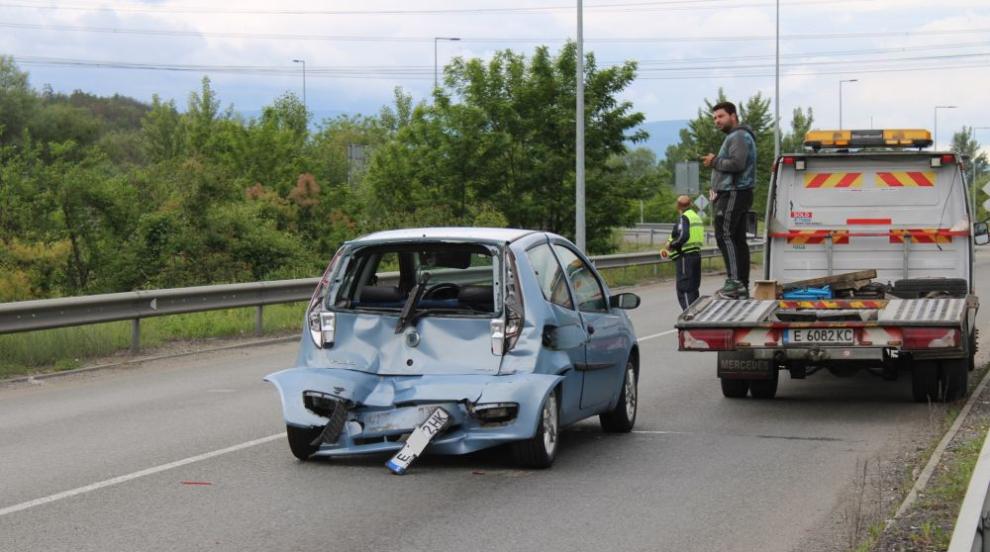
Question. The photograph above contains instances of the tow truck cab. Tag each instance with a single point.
(885, 227)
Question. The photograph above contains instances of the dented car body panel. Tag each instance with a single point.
(405, 322)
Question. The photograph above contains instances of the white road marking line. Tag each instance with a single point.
(668, 332)
(131, 476)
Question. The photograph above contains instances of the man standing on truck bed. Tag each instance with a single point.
(684, 248)
(733, 179)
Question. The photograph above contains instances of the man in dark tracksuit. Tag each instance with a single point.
(684, 248)
(733, 179)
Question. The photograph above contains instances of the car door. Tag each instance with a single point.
(605, 350)
(553, 284)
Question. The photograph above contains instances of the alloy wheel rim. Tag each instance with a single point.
(630, 393)
(550, 424)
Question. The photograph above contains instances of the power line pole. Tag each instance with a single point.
(579, 145)
(776, 94)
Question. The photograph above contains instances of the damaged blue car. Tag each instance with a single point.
(452, 340)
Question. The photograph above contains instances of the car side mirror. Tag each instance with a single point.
(751, 225)
(981, 234)
(561, 338)
(624, 301)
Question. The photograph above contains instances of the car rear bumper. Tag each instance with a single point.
(383, 409)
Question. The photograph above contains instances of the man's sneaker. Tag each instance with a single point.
(733, 289)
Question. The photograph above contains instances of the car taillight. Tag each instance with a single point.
(706, 340)
(506, 334)
(930, 338)
(322, 324)
(322, 327)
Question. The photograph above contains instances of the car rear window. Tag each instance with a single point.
(460, 278)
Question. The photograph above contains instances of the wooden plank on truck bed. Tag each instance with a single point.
(838, 281)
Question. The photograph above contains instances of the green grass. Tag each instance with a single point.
(67, 348)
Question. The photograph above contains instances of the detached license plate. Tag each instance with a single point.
(417, 441)
(820, 336)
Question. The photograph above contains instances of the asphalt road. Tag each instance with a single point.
(187, 454)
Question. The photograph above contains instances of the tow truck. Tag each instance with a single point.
(868, 265)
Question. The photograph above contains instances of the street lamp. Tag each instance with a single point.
(435, 40)
(303, 62)
(937, 107)
(579, 220)
(840, 98)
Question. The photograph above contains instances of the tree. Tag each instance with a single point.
(18, 102)
(500, 137)
(163, 131)
(964, 143)
(801, 122)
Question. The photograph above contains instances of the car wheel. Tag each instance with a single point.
(539, 450)
(622, 418)
(734, 388)
(924, 381)
(764, 389)
(301, 439)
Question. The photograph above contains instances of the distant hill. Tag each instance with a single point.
(662, 134)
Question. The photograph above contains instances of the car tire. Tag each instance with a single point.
(764, 389)
(540, 450)
(953, 376)
(924, 381)
(734, 388)
(919, 287)
(622, 418)
(301, 439)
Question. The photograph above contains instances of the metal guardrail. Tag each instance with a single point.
(43, 314)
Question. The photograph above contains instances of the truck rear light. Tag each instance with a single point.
(948, 159)
(787, 160)
(706, 340)
(930, 338)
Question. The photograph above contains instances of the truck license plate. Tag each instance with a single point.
(820, 336)
(417, 441)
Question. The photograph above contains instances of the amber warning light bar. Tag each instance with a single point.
(879, 138)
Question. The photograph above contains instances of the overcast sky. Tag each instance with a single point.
(357, 52)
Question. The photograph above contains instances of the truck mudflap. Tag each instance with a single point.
(743, 365)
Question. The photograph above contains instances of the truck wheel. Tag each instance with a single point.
(764, 389)
(924, 381)
(734, 388)
(953, 376)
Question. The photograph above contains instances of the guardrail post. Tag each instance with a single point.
(135, 336)
(651, 236)
(259, 320)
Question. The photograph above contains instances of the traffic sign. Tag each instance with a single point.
(986, 188)
(986, 204)
(701, 202)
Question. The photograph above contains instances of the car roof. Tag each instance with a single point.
(466, 233)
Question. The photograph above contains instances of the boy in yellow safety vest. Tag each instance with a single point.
(684, 248)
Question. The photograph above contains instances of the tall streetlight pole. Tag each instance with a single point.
(840, 98)
(937, 107)
(435, 40)
(303, 62)
(776, 93)
(579, 145)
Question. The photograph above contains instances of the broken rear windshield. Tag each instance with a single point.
(460, 278)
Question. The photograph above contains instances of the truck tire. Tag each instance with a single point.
(912, 288)
(734, 388)
(924, 381)
(765, 389)
(953, 376)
